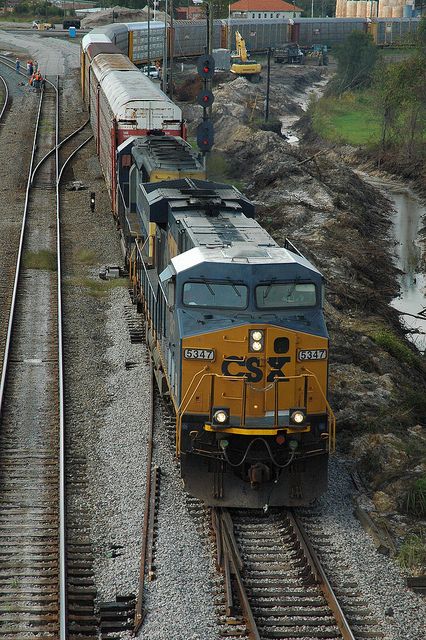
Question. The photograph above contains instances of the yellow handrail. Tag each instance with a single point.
(187, 400)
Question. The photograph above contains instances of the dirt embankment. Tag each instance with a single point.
(342, 224)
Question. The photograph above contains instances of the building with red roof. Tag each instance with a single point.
(264, 9)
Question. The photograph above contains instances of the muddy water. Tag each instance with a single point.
(289, 120)
(409, 217)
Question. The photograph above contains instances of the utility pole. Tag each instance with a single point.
(165, 53)
(209, 16)
(268, 85)
(149, 41)
(172, 42)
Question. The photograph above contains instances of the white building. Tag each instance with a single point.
(264, 9)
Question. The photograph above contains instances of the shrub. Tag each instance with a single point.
(393, 345)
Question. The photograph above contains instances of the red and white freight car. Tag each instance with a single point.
(123, 102)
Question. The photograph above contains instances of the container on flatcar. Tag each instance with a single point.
(138, 41)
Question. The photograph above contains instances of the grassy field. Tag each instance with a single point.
(349, 119)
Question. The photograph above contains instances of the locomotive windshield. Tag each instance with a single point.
(286, 295)
(213, 294)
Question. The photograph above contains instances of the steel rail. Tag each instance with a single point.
(73, 153)
(19, 260)
(6, 96)
(58, 146)
(229, 545)
(63, 622)
(321, 576)
(146, 535)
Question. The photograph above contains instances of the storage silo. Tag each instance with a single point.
(351, 9)
(361, 9)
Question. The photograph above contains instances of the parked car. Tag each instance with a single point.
(151, 71)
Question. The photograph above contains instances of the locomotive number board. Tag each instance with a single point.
(198, 354)
(311, 354)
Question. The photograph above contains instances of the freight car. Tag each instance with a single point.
(234, 322)
(188, 37)
(122, 103)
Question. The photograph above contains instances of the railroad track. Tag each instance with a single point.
(274, 585)
(35, 580)
(5, 91)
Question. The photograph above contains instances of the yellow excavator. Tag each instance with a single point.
(241, 65)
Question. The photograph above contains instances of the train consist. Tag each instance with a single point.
(188, 37)
(235, 323)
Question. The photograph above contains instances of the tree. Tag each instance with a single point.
(356, 60)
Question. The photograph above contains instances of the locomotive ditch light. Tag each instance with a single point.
(220, 416)
(257, 340)
(297, 417)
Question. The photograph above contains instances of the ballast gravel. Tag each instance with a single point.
(381, 583)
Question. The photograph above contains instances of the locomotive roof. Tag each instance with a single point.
(253, 255)
(165, 152)
(220, 222)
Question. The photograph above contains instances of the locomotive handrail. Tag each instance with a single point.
(187, 400)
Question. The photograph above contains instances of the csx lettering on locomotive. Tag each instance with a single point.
(253, 368)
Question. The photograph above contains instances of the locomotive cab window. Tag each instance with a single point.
(286, 295)
(214, 294)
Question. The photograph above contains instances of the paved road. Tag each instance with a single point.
(56, 56)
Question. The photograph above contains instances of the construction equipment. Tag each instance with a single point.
(43, 26)
(289, 53)
(241, 65)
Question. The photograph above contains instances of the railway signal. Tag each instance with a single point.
(205, 66)
(205, 98)
(205, 135)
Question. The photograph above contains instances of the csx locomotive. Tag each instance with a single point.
(235, 323)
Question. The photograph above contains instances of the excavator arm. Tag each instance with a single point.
(241, 47)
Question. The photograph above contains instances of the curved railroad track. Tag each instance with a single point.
(5, 92)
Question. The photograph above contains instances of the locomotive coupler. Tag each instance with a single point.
(258, 474)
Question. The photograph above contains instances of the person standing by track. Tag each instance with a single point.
(17, 65)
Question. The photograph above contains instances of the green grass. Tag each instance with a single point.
(413, 552)
(393, 345)
(349, 119)
(85, 256)
(44, 260)
(98, 288)
(415, 503)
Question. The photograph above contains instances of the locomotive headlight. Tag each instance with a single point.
(297, 417)
(257, 340)
(221, 417)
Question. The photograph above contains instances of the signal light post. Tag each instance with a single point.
(205, 133)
